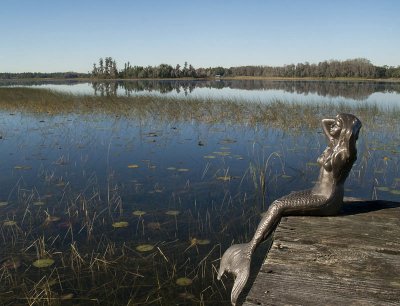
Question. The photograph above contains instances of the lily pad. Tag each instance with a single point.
(43, 263)
(383, 188)
(209, 156)
(133, 166)
(186, 295)
(395, 191)
(183, 170)
(145, 247)
(285, 176)
(9, 223)
(4, 203)
(67, 296)
(224, 178)
(39, 203)
(172, 212)
(53, 219)
(203, 241)
(22, 167)
(183, 281)
(139, 213)
(120, 224)
(171, 168)
(223, 153)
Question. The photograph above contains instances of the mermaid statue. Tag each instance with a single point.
(324, 199)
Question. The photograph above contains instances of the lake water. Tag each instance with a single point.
(138, 207)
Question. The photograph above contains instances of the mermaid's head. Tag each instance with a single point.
(351, 126)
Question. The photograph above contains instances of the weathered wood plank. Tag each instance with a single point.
(351, 259)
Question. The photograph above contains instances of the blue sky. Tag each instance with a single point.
(49, 36)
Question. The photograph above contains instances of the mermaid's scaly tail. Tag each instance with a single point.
(236, 260)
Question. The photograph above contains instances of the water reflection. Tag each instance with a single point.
(355, 90)
(347, 89)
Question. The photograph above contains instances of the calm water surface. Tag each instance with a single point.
(184, 190)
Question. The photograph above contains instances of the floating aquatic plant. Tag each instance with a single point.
(9, 223)
(52, 219)
(395, 191)
(120, 224)
(195, 241)
(203, 241)
(43, 263)
(183, 170)
(22, 167)
(186, 295)
(139, 213)
(209, 156)
(172, 212)
(383, 188)
(145, 247)
(183, 281)
(133, 166)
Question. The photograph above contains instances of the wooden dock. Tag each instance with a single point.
(351, 259)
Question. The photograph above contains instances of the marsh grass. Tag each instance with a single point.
(276, 113)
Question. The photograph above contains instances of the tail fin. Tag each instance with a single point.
(236, 260)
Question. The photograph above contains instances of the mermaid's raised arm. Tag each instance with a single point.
(326, 123)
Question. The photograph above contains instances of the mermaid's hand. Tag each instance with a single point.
(236, 260)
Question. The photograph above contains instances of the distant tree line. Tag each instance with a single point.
(352, 68)
(107, 69)
(43, 75)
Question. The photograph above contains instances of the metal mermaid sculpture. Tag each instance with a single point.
(324, 199)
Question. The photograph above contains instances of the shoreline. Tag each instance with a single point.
(241, 78)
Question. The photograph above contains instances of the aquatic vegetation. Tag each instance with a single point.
(224, 178)
(172, 212)
(9, 223)
(120, 224)
(138, 213)
(39, 203)
(22, 167)
(43, 263)
(145, 248)
(200, 241)
(383, 188)
(183, 281)
(183, 170)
